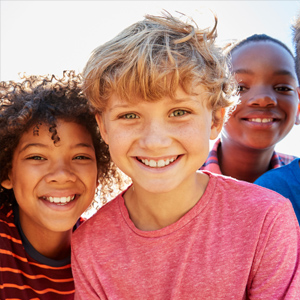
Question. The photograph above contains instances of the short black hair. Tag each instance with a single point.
(296, 40)
(261, 38)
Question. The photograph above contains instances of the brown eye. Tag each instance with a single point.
(242, 88)
(283, 89)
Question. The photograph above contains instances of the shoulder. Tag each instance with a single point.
(212, 163)
(245, 195)
(10, 239)
(7, 216)
(279, 175)
(104, 217)
(284, 159)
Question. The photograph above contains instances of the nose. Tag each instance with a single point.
(262, 98)
(60, 172)
(155, 135)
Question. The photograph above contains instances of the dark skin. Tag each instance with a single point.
(268, 109)
(245, 164)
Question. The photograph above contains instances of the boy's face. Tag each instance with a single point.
(268, 93)
(160, 145)
(53, 185)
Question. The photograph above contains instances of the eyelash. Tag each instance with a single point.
(132, 116)
(286, 89)
(184, 112)
(36, 157)
(126, 116)
(81, 157)
(242, 88)
(78, 157)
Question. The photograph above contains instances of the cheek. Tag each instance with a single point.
(231, 128)
(91, 175)
(291, 109)
(198, 133)
(118, 139)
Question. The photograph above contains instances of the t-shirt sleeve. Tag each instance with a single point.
(275, 273)
(83, 286)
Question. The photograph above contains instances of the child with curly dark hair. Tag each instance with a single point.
(52, 159)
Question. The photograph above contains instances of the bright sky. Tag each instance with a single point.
(42, 37)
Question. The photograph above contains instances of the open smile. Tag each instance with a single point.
(60, 200)
(261, 120)
(157, 163)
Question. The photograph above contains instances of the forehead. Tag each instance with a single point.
(264, 52)
(199, 94)
(70, 132)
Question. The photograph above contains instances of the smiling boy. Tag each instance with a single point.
(286, 180)
(161, 89)
(269, 107)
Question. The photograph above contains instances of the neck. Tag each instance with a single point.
(243, 163)
(153, 211)
(54, 245)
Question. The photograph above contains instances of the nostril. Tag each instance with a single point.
(263, 101)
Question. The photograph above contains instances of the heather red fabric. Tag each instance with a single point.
(240, 241)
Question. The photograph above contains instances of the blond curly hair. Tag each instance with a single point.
(152, 58)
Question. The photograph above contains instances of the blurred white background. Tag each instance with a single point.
(42, 37)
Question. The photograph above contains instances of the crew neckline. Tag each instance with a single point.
(31, 251)
(184, 220)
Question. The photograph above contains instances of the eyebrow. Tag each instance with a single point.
(119, 106)
(32, 145)
(284, 72)
(128, 105)
(276, 73)
(85, 145)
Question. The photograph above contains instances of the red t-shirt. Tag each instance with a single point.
(26, 274)
(240, 241)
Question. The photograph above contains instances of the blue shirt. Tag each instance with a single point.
(285, 181)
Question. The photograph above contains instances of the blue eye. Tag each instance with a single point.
(178, 113)
(129, 116)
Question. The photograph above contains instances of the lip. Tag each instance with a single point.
(261, 114)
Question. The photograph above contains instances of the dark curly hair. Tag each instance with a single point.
(45, 99)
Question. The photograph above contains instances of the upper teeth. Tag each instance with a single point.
(157, 164)
(60, 200)
(259, 120)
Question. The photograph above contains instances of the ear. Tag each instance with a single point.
(217, 123)
(7, 183)
(297, 121)
(101, 124)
